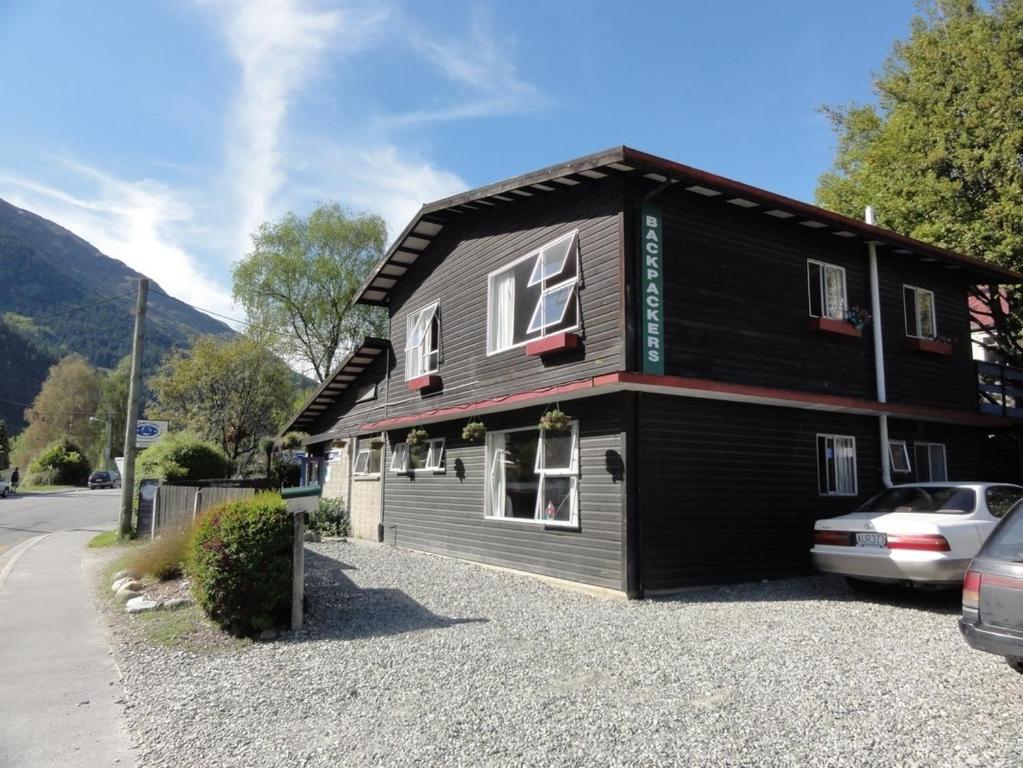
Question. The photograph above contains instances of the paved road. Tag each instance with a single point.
(26, 516)
(61, 697)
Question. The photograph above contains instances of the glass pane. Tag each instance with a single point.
(398, 458)
(557, 451)
(925, 308)
(361, 462)
(923, 463)
(834, 288)
(417, 455)
(553, 260)
(813, 287)
(909, 300)
(374, 460)
(495, 449)
(937, 455)
(525, 302)
(555, 501)
(551, 308)
(845, 465)
(822, 465)
(520, 479)
(946, 500)
(1006, 543)
(1001, 499)
(435, 459)
(899, 456)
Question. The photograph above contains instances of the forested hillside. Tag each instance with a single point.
(23, 367)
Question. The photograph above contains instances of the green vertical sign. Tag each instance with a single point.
(651, 305)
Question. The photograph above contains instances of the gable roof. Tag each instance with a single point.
(336, 383)
(625, 161)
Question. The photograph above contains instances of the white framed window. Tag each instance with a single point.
(422, 342)
(836, 465)
(428, 455)
(367, 460)
(919, 308)
(534, 296)
(825, 284)
(898, 456)
(931, 462)
(533, 476)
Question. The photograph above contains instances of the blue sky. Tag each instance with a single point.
(165, 131)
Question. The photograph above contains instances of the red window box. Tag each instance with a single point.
(552, 345)
(423, 383)
(930, 346)
(828, 325)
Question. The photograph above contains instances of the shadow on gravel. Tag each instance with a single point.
(340, 609)
(829, 588)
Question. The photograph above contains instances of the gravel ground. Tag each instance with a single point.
(415, 660)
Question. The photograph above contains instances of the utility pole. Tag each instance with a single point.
(134, 392)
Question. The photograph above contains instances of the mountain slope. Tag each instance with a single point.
(54, 291)
(23, 367)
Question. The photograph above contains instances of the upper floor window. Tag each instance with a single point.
(534, 296)
(826, 286)
(919, 304)
(898, 456)
(422, 342)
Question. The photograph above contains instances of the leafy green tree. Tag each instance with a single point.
(299, 284)
(941, 155)
(62, 408)
(231, 392)
(5, 447)
(183, 456)
(113, 403)
(62, 463)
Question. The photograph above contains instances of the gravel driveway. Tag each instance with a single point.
(416, 660)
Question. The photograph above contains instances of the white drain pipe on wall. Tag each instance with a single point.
(882, 395)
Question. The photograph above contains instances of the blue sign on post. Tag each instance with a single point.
(149, 432)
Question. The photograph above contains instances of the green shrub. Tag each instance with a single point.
(331, 518)
(181, 456)
(240, 562)
(284, 473)
(162, 558)
(60, 463)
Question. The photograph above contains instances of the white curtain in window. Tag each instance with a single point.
(834, 289)
(496, 481)
(845, 465)
(502, 311)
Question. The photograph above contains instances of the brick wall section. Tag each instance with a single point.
(365, 507)
(336, 486)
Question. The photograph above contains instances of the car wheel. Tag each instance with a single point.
(4, 492)
(1015, 662)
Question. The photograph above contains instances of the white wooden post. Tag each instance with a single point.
(197, 504)
(298, 571)
(156, 512)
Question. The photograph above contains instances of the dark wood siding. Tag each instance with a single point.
(453, 271)
(729, 491)
(736, 307)
(444, 513)
(918, 377)
(345, 415)
(963, 447)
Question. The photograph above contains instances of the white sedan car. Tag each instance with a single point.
(916, 534)
(5, 489)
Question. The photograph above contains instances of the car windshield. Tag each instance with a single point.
(100, 476)
(1006, 543)
(946, 499)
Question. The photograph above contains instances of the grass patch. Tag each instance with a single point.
(105, 539)
(28, 490)
(188, 629)
(163, 557)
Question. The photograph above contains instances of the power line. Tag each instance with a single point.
(71, 310)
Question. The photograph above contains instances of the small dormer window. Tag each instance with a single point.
(534, 296)
(422, 342)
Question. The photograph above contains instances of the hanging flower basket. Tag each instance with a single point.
(376, 443)
(340, 443)
(474, 431)
(555, 420)
(858, 317)
(416, 436)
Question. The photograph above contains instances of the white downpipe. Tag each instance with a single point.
(882, 394)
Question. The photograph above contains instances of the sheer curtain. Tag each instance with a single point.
(502, 311)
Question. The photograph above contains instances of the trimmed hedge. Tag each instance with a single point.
(240, 560)
(183, 456)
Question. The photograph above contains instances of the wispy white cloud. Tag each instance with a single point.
(137, 222)
(278, 44)
(480, 64)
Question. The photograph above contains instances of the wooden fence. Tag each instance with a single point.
(176, 505)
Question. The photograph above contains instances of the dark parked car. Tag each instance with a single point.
(992, 617)
(104, 479)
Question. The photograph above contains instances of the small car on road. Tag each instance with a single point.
(992, 619)
(917, 534)
(5, 489)
(104, 479)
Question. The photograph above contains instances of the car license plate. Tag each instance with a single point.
(870, 540)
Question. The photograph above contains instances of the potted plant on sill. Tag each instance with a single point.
(376, 443)
(555, 420)
(416, 436)
(474, 431)
(858, 318)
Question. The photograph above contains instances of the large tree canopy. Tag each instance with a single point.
(229, 392)
(941, 156)
(299, 283)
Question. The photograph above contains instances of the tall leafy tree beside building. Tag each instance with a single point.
(299, 285)
(230, 392)
(941, 155)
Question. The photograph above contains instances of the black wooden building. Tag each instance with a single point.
(734, 364)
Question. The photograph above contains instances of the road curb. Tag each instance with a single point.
(15, 553)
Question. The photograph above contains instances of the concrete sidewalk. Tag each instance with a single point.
(60, 690)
